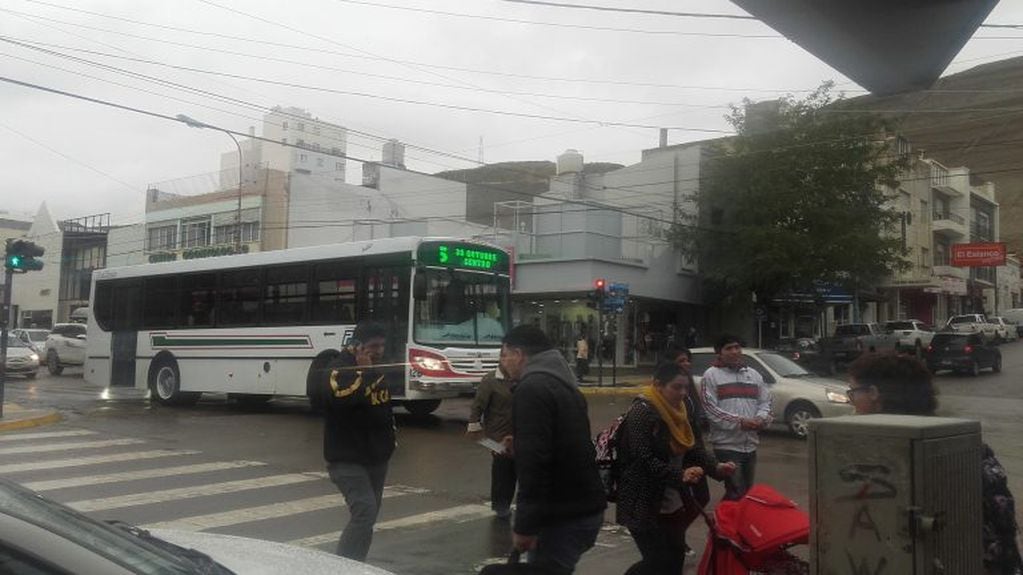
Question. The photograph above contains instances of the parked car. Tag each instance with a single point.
(21, 359)
(807, 352)
(1015, 315)
(42, 536)
(65, 346)
(852, 339)
(913, 334)
(1004, 329)
(35, 338)
(963, 352)
(972, 323)
(799, 395)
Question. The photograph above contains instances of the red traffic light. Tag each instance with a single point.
(599, 284)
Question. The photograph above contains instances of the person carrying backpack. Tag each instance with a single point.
(658, 458)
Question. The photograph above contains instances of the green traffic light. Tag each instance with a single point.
(14, 261)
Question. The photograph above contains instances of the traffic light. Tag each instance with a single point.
(596, 296)
(21, 256)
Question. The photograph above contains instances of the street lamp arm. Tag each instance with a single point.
(193, 123)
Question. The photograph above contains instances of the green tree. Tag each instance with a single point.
(799, 198)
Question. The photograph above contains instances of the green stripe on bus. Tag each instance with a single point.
(165, 341)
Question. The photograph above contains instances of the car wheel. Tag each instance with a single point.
(798, 417)
(422, 406)
(165, 384)
(31, 374)
(974, 368)
(53, 364)
(996, 367)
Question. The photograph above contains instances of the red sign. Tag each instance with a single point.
(978, 255)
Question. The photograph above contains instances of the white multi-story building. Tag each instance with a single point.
(319, 149)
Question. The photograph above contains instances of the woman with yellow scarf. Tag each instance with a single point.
(658, 457)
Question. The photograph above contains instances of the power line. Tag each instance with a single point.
(638, 10)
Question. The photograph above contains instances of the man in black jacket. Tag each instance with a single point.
(358, 435)
(561, 498)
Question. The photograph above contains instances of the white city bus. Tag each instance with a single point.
(260, 325)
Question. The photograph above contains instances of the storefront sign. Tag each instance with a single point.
(978, 255)
(953, 286)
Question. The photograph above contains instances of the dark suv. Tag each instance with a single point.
(963, 352)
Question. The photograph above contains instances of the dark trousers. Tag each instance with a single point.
(582, 367)
(559, 547)
(363, 490)
(745, 466)
(502, 483)
(663, 548)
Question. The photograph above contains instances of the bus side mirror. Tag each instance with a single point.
(419, 286)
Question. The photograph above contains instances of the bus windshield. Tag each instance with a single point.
(462, 308)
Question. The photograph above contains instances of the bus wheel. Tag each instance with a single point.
(165, 384)
(422, 406)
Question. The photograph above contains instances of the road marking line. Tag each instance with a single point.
(457, 514)
(45, 435)
(69, 446)
(271, 511)
(164, 495)
(94, 460)
(135, 475)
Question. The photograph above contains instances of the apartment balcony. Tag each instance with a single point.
(949, 225)
(946, 270)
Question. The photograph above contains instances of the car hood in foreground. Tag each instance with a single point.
(252, 556)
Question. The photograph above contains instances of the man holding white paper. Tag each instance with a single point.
(493, 406)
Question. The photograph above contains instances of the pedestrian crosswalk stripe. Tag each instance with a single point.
(93, 460)
(68, 446)
(457, 514)
(45, 435)
(141, 474)
(164, 495)
(270, 511)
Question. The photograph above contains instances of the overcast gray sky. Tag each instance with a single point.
(82, 158)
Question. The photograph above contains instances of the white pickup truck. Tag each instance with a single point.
(973, 323)
(852, 339)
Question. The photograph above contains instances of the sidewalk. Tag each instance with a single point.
(17, 417)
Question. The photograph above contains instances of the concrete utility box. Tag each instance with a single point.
(898, 495)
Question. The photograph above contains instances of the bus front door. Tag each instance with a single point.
(122, 358)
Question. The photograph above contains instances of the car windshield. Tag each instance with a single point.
(782, 365)
(73, 329)
(963, 319)
(15, 342)
(900, 325)
(462, 308)
(114, 544)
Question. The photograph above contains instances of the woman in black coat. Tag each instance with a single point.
(659, 457)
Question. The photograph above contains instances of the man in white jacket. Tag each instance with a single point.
(737, 403)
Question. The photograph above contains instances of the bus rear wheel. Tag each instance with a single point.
(165, 384)
(421, 406)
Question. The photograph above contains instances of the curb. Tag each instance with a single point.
(10, 424)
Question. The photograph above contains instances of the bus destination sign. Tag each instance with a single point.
(465, 256)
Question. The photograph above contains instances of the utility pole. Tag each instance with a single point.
(193, 123)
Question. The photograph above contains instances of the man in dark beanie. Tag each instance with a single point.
(738, 405)
(561, 499)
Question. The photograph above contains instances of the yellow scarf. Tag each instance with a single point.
(678, 422)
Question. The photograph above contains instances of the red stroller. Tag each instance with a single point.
(753, 535)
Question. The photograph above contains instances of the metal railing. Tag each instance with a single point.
(952, 217)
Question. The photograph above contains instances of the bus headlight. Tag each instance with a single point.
(429, 364)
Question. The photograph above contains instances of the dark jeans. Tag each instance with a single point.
(363, 489)
(559, 547)
(745, 465)
(582, 368)
(502, 483)
(663, 548)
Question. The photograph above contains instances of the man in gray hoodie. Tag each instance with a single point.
(561, 499)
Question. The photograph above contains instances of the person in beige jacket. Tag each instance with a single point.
(491, 415)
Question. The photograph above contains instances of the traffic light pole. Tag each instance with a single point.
(8, 288)
(600, 342)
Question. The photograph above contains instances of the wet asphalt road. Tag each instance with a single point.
(435, 520)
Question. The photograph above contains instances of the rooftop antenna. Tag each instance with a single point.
(480, 156)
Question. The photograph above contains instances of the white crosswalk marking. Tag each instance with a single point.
(135, 475)
(68, 446)
(93, 460)
(46, 435)
(270, 511)
(458, 514)
(164, 495)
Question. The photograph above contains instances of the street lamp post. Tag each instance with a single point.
(193, 123)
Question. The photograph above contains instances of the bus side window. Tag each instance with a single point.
(198, 300)
(285, 293)
(159, 295)
(238, 297)
(334, 298)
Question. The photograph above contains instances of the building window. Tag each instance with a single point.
(319, 162)
(316, 130)
(300, 126)
(335, 152)
(939, 176)
(339, 166)
(284, 125)
(982, 229)
(940, 254)
(195, 233)
(925, 258)
(302, 158)
(902, 146)
(163, 238)
(225, 234)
